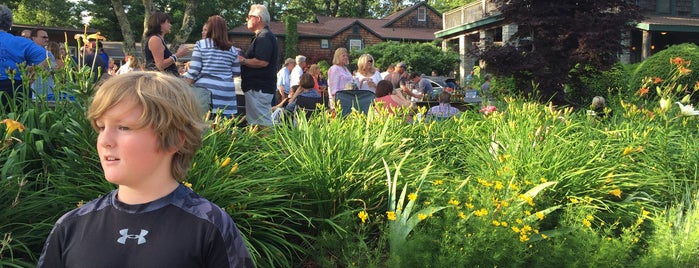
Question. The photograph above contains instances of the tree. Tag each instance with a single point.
(291, 41)
(557, 36)
(60, 13)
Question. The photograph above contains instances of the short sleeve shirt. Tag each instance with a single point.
(263, 47)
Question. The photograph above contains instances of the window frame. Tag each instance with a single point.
(423, 16)
(352, 44)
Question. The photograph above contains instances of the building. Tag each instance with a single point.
(479, 24)
(319, 39)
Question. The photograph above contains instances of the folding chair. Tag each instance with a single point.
(359, 100)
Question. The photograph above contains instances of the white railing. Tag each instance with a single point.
(470, 13)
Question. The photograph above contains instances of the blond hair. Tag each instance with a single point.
(169, 108)
(338, 55)
(364, 67)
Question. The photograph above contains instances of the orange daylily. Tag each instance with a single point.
(643, 91)
(677, 61)
(657, 80)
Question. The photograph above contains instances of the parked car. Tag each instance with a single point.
(440, 82)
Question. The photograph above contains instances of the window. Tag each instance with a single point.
(421, 13)
(355, 44)
(695, 7)
(324, 43)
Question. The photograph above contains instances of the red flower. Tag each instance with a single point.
(487, 110)
(657, 80)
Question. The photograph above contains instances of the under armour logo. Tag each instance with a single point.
(125, 235)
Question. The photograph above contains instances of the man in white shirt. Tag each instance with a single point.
(298, 70)
(388, 71)
(284, 80)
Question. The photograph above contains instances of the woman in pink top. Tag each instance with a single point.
(386, 95)
(338, 74)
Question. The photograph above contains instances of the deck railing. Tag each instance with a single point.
(470, 13)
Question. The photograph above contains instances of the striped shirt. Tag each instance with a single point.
(214, 69)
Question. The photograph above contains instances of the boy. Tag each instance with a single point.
(148, 132)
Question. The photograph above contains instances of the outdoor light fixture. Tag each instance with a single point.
(663, 33)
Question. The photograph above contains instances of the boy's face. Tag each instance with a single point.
(131, 156)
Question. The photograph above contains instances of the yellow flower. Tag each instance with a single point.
(363, 216)
(628, 150)
(543, 180)
(412, 196)
(527, 199)
(391, 215)
(616, 192)
(226, 162)
(519, 221)
(586, 222)
(421, 216)
(589, 217)
(438, 182)
(523, 238)
(498, 185)
(544, 236)
(454, 202)
(462, 215)
(496, 223)
(503, 223)
(234, 168)
(468, 205)
(12, 125)
(540, 215)
(189, 185)
(515, 229)
(480, 212)
(573, 200)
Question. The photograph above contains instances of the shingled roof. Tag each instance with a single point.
(328, 27)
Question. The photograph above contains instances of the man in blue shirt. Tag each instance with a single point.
(421, 85)
(14, 51)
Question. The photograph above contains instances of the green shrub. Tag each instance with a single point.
(658, 65)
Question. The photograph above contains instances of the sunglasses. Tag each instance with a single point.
(370, 61)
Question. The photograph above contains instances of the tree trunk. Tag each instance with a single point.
(187, 24)
(126, 32)
(149, 9)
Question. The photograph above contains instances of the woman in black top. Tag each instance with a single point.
(158, 56)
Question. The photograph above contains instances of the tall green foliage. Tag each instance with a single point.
(420, 57)
(291, 41)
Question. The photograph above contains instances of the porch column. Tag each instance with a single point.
(625, 56)
(645, 47)
(507, 32)
(486, 38)
(463, 66)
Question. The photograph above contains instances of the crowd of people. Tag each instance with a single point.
(215, 62)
